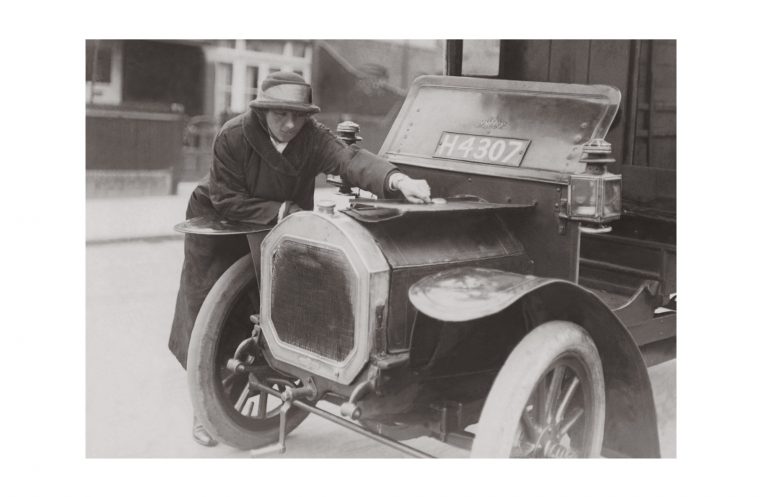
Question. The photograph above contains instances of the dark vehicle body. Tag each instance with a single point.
(407, 316)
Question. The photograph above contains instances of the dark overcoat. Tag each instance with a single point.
(248, 181)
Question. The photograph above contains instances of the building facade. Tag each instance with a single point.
(170, 96)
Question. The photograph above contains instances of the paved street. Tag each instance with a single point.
(137, 402)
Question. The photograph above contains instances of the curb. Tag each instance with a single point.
(132, 239)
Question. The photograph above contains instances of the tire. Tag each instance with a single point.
(524, 416)
(220, 399)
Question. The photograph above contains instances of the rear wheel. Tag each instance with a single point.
(230, 411)
(548, 399)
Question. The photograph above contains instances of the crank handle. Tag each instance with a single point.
(279, 447)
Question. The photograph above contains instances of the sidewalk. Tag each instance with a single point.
(110, 220)
(135, 218)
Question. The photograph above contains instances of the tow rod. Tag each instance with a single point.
(289, 399)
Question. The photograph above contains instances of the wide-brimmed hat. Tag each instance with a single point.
(285, 91)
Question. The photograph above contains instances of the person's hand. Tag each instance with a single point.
(415, 191)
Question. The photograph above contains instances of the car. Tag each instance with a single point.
(514, 316)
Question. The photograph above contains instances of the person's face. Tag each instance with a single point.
(285, 124)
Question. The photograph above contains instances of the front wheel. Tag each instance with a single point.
(548, 399)
(229, 410)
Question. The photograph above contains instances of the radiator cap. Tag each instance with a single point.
(326, 207)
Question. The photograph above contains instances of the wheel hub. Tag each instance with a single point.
(548, 442)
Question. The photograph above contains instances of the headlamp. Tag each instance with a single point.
(594, 197)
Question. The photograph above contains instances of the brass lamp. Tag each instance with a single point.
(594, 197)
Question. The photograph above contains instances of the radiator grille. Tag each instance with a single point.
(312, 289)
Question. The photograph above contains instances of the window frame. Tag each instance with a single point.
(107, 93)
(242, 59)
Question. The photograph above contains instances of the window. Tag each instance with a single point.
(103, 71)
(223, 88)
(266, 46)
(226, 43)
(251, 83)
(98, 61)
(241, 66)
(299, 49)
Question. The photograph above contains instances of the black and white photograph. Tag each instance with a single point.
(381, 248)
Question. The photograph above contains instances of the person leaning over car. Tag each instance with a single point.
(264, 166)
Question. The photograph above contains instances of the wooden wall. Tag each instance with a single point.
(656, 137)
(128, 140)
(644, 132)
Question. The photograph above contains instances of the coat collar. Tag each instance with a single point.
(257, 136)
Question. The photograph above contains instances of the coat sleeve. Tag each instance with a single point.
(228, 191)
(356, 166)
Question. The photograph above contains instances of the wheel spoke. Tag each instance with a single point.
(530, 423)
(262, 412)
(574, 383)
(568, 424)
(554, 391)
(241, 400)
(540, 400)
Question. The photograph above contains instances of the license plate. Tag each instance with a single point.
(486, 149)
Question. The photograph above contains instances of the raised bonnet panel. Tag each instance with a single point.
(557, 119)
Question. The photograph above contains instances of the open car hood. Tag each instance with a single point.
(537, 129)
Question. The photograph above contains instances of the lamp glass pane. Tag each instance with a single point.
(583, 197)
(612, 205)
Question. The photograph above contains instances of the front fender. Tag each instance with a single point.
(216, 226)
(467, 294)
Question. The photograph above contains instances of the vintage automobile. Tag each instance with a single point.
(516, 315)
